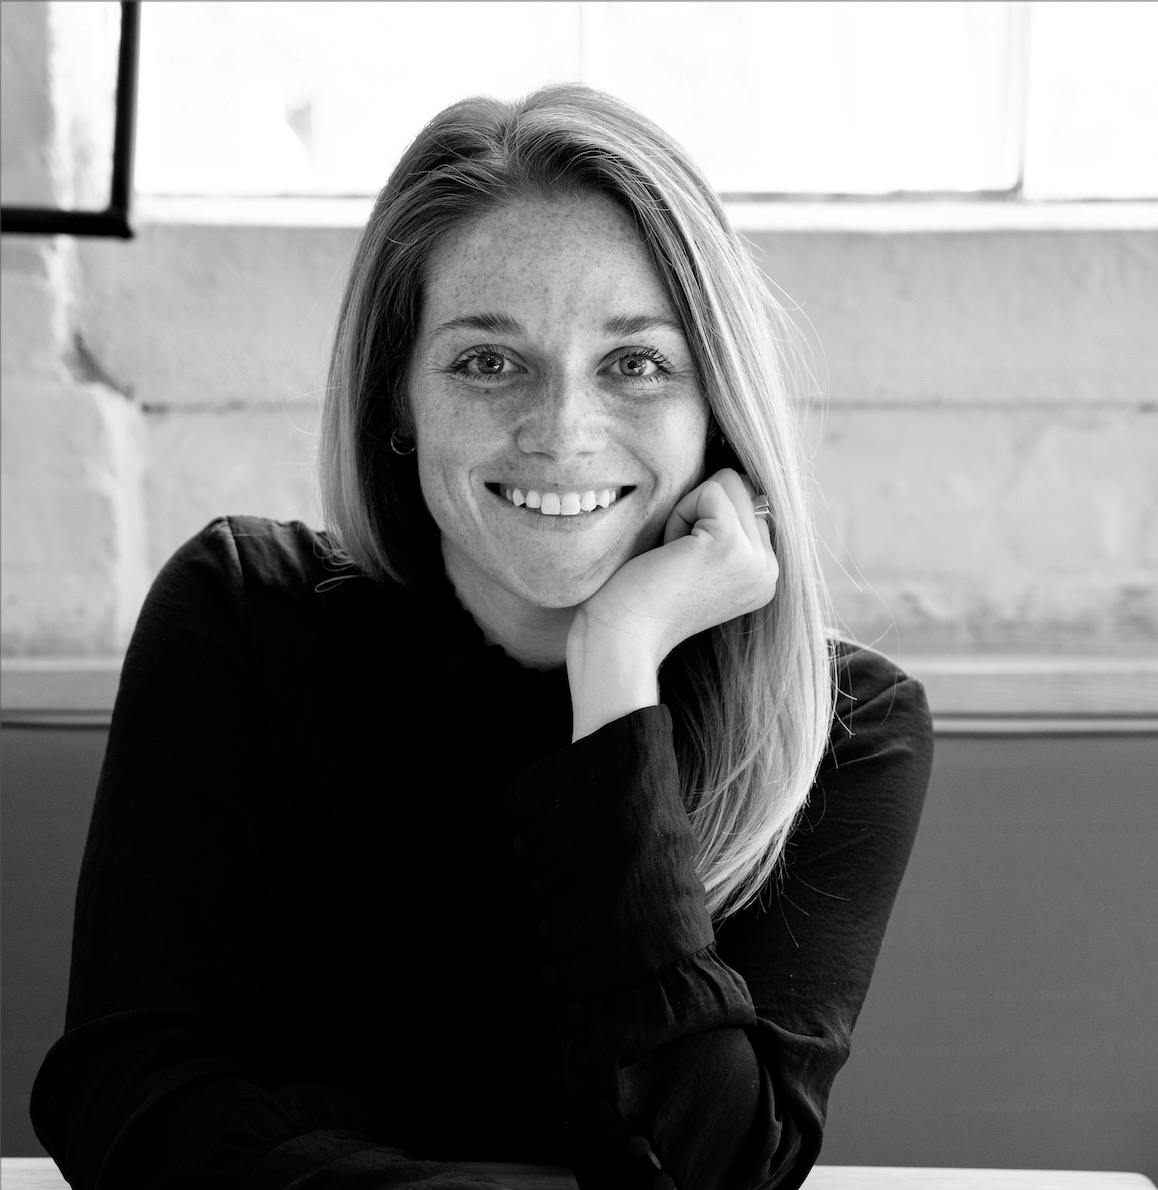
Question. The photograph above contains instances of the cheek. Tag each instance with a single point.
(454, 439)
(449, 433)
(687, 441)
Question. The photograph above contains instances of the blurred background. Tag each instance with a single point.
(957, 202)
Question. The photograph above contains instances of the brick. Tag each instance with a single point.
(28, 127)
(34, 290)
(215, 316)
(991, 528)
(73, 571)
(1086, 617)
(207, 463)
(994, 317)
(1010, 317)
(1056, 490)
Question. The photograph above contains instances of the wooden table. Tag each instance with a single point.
(40, 1173)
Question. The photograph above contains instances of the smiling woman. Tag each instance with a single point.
(574, 404)
(480, 824)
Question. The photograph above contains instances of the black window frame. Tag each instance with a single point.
(113, 221)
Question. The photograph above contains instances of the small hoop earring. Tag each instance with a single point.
(396, 439)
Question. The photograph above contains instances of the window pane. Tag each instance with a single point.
(321, 98)
(833, 97)
(78, 120)
(1093, 100)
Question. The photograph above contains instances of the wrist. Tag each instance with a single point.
(611, 674)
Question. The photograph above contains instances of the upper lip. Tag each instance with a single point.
(532, 486)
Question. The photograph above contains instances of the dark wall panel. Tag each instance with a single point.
(1013, 1017)
(49, 777)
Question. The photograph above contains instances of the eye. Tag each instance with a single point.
(491, 364)
(643, 364)
(637, 365)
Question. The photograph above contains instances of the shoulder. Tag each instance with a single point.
(871, 784)
(277, 579)
(877, 704)
(257, 558)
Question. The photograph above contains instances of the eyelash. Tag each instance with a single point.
(459, 367)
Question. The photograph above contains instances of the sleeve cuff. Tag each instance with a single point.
(696, 994)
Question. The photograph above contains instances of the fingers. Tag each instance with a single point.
(741, 574)
(723, 495)
(682, 518)
(701, 509)
(741, 490)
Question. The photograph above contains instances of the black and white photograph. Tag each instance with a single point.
(579, 592)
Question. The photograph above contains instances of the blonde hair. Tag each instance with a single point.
(752, 699)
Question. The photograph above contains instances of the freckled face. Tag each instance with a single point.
(536, 387)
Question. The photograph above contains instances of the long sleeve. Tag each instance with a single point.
(677, 1070)
(349, 900)
(177, 934)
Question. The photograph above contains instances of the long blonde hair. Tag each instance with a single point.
(752, 699)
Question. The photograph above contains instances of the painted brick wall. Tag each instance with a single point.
(985, 447)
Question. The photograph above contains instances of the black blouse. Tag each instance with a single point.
(352, 900)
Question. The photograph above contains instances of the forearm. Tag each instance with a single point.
(111, 1115)
(663, 1064)
(610, 676)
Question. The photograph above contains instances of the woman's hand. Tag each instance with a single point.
(716, 563)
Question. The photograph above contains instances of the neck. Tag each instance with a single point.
(534, 636)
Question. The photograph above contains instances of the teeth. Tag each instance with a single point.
(556, 504)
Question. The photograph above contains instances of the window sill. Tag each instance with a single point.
(970, 694)
(912, 216)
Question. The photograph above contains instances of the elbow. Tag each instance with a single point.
(735, 1125)
(778, 1147)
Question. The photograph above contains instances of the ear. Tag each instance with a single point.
(400, 407)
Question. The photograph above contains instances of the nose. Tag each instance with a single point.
(564, 420)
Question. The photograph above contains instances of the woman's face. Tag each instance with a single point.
(549, 360)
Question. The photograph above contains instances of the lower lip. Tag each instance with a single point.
(559, 523)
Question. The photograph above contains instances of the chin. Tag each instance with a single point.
(558, 594)
(555, 590)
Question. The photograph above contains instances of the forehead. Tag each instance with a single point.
(578, 255)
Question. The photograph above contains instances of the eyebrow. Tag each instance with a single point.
(503, 324)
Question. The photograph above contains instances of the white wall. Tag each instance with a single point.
(986, 464)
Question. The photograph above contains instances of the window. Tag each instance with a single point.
(1040, 100)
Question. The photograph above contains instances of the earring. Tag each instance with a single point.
(398, 443)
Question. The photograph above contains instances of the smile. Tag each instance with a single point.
(556, 507)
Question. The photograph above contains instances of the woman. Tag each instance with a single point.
(530, 812)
